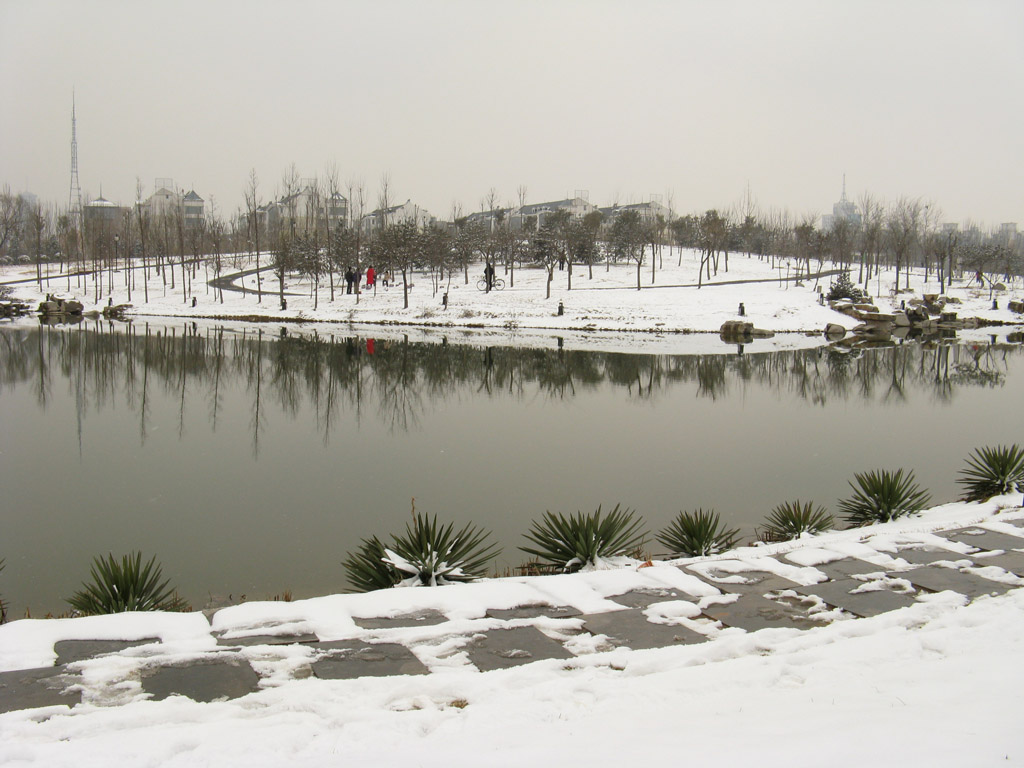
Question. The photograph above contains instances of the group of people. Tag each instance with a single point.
(354, 277)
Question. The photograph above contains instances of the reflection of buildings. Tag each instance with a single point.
(844, 210)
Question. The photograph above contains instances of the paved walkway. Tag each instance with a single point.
(974, 562)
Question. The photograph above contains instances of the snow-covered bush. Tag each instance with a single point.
(427, 555)
(881, 496)
(570, 543)
(993, 472)
(698, 533)
(843, 288)
(792, 519)
(126, 586)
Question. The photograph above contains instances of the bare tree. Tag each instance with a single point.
(902, 231)
(252, 204)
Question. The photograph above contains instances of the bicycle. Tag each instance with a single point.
(497, 284)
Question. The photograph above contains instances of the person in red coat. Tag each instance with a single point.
(371, 275)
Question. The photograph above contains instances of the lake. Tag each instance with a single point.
(250, 459)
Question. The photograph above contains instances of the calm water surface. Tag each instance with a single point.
(250, 463)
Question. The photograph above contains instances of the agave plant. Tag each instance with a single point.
(880, 496)
(127, 585)
(693, 534)
(792, 519)
(993, 472)
(428, 554)
(570, 543)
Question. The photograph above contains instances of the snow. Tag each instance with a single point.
(935, 683)
(605, 312)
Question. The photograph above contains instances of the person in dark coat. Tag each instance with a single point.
(350, 278)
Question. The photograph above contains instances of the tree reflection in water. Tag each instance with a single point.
(104, 364)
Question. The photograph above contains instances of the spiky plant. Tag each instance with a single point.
(880, 496)
(127, 585)
(366, 568)
(792, 519)
(427, 554)
(693, 534)
(570, 543)
(993, 472)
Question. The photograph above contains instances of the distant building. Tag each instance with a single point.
(103, 212)
(1008, 232)
(578, 207)
(407, 212)
(844, 210)
(649, 211)
(166, 201)
(490, 220)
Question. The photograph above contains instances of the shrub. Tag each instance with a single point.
(428, 555)
(993, 472)
(792, 519)
(843, 288)
(698, 533)
(880, 496)
(570, 543)
(126, 586)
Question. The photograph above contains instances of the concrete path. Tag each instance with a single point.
(511, 637)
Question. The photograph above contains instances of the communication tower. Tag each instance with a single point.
(75, 194)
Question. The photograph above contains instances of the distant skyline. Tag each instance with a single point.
(689, 101)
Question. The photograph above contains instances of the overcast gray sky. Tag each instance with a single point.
(693, 100)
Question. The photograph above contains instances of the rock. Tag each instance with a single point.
(901, 319)
(999, 287)
(834, 331)
(930, 298)
(876, 317)
(736, 328)
(73, 307)
(917, 315)
(865, 307)
(951, 300)
(1016, 306)
(947, 317)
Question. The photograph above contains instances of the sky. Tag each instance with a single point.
(694, 103)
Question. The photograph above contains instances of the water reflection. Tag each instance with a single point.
(396, 381)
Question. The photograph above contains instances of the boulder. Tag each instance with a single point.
(901, 319)
(999, 287)
(73, 307)
(834, 331)
(876, 317)
(951, 300)
(1016, 306)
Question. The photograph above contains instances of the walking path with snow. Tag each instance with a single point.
(496, 624)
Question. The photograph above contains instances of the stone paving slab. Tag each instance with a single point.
(757, 582)
(839, 594)
(202, 680)
(249, 640)
(32, 688)
(532, 611)
(941, 579)
(753, 612)
(923, 556)
(630, 628)
(420, 619)
(503, 648)
(76, 650)
(843, 569)
(642, 598)
(1010, 560)
(985, 540)
(348, 659)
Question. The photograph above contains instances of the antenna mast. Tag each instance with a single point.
(75, 194)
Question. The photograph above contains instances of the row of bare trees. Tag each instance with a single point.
(318, 229)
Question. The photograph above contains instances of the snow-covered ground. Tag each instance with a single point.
(936, 683)
(607, 304)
